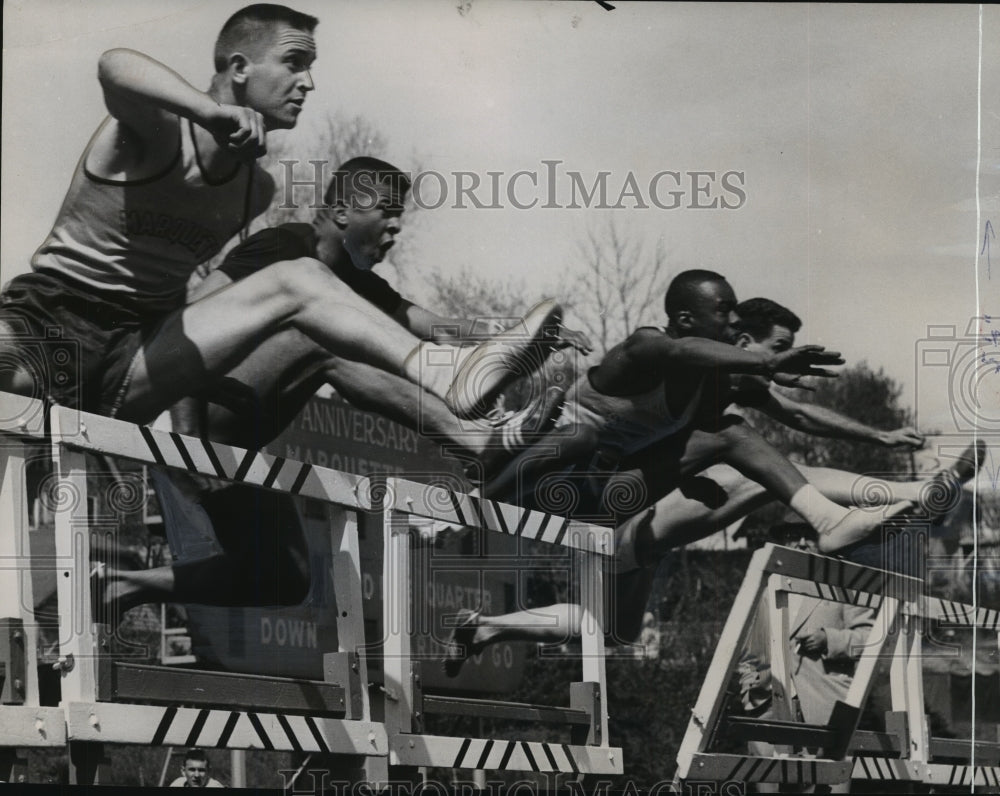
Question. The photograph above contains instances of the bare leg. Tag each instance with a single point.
(737, 444)
(210, 337)
(553, 624)
(261, 396)
(269, 397)
(690, 513)
(403, 402)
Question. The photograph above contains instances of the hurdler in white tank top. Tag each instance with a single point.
(141, 240)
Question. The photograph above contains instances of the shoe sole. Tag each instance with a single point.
(469, 404)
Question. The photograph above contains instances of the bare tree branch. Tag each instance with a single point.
(621, 284)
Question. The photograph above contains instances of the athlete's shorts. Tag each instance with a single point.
(79, 347)
(261, 532)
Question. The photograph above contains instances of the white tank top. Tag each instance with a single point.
(141, 240)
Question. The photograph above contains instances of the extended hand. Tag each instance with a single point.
(807, 360)
(787, 380)
(566, 338)
(903, 438)
(239, 130)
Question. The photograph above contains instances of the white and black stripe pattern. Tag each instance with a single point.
(458, 508)
(840, 574)
(827, 591)
(883, 768)
(952, 613)
(984, 776)
(764, 769)
(216, 728)
(228, 462)
(492, 755)
(219, 728)
(890, 769)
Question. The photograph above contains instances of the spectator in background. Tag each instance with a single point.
(195, 772)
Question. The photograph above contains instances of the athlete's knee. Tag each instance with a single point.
(305, 278)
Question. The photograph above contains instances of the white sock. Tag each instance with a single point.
(821, 513)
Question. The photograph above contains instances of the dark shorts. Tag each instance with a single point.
(79, 347)
(259, 531)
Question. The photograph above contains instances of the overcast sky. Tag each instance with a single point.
(854, 128)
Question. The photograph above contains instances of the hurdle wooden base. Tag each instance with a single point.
(151, 725)
(129, 682)
(511, 711)
(32, 726)
(499, 755)
(788, 770)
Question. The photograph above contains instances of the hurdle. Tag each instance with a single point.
(904, 752)
(109, 701)
(407, 704)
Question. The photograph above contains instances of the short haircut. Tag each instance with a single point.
(196, 754)
(683, 289)
(355, 179)
(759, 316)
(253, 23)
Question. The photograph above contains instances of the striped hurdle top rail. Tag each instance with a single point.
(457, 508)
(100, 434)
(951, 614)
(841, 581)
(838, 580)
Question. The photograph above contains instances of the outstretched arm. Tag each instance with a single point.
(147, 98)
(824, 422)
(653, 349)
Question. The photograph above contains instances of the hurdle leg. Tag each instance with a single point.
(781, 682)
(17, 602)
(907, 688)
(351, 661)
(777, 610)
(77, 642)
(396, 630)
(592, 693)
(727, 652)
(845, 714)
